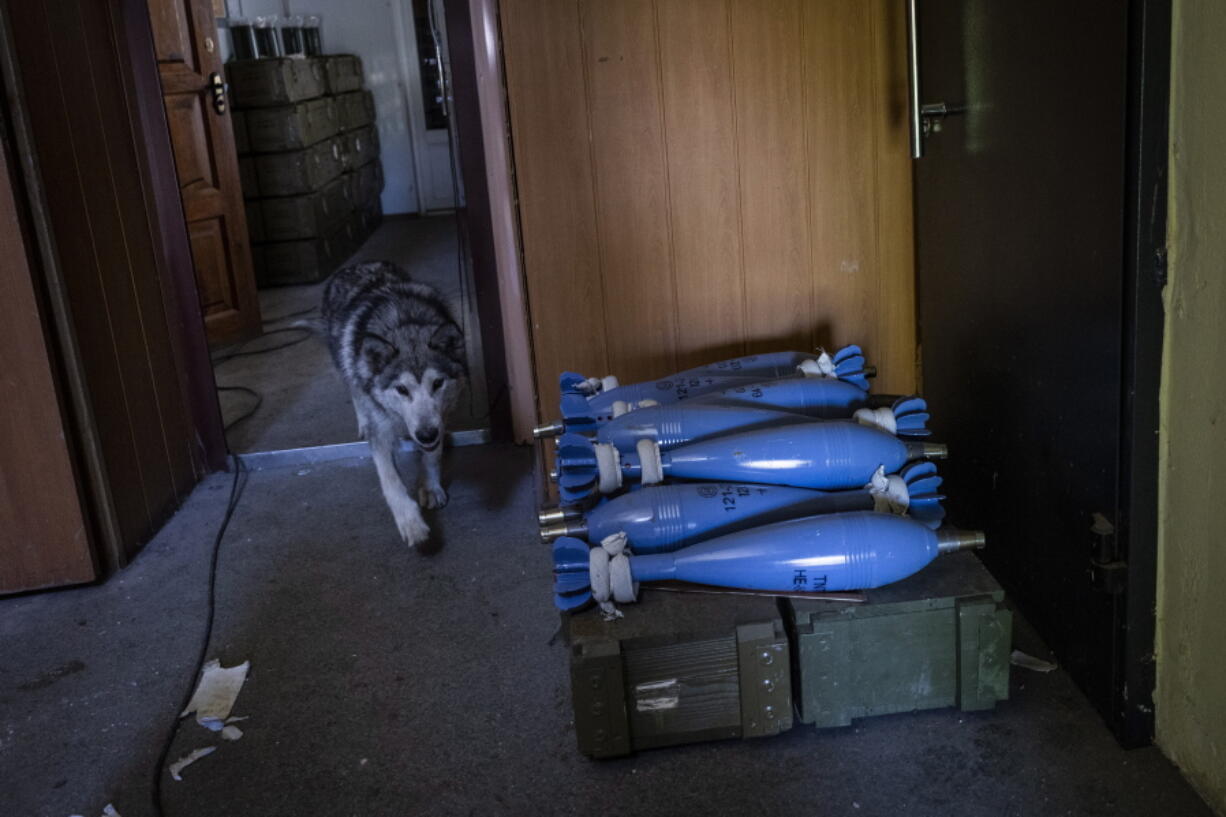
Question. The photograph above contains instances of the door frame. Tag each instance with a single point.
(180, 290)
(489, 213)
(1146, 171)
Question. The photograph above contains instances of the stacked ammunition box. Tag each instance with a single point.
(309, 160)
(689, 667)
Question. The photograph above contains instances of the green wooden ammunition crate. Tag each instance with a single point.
(257, 263)
(937, 639)
(311, 215)
(364, 184)
(298, 171)
(238, 121)
(291, 127)
(370, 217)
(248, 178)
(355, 109)
(274, 81)
(679, 668)
(343, 72)
(359, 147)
(304, 262)
(255, 220)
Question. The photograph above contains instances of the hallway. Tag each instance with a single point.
(386, 682)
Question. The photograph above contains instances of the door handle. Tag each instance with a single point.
(925, 118)
(217, 89)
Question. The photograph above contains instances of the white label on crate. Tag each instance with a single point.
(652, 696)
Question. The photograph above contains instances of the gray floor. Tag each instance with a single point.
(386, 682)
(304, 401)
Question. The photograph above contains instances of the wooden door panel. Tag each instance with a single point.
(44, 540)
(207, 166)
(90, 178)
(172, 34)
(748, 170)
(218, 292)
(189, 132)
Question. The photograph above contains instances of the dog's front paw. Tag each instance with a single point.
(432, 496)
(413, 529)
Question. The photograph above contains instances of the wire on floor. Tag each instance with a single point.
(289, 315)
(243, 351)
(237, 485)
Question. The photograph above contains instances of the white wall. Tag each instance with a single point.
(1190, 698)
(365, 28)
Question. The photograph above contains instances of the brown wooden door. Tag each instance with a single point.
(111, 248)
(700, 179)
(44, 540)
(185, 40)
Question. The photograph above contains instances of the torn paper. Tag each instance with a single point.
(187, 760)
(1021, 659)
(215, 696)
(231, 732)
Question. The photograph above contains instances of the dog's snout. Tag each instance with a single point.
(427, 435)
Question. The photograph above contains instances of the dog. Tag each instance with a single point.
(402, 355)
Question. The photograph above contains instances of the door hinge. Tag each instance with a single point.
(1108, 573)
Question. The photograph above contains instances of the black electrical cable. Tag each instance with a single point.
(236, 494)
(243, 351)
(289, 315)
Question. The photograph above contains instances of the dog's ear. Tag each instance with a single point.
(377, 351)
(447, 340)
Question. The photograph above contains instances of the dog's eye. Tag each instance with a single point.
(438, 384)
(400, 387)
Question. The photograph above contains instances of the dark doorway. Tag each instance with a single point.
(1040, 220)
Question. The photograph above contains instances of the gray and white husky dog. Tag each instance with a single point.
(402, 356)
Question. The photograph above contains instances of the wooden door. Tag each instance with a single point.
(44, 540)
(93, 161)
(700, 179)
(185, 41)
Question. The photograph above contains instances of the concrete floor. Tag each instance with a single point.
(386, 682)
(304, 401)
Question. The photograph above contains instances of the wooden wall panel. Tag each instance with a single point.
(747, 165)
(557, 203)
(767, 45)
(841, 150)
(701, 128)
(626, 124)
